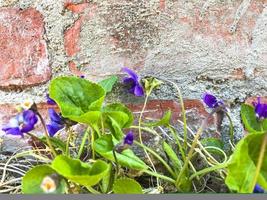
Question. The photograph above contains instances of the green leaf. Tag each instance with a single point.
(114, 128)
(242, 166)
(56, 143)
(249, 118)
(107, 180)
(80, 172)
(127, 186)
(176, 163)
(108, 83)
(104, 146)
(120, 113)
(164, 121)
(184, 185)
(31, 182)
(79, 99)
(116, 116)
(212, 142)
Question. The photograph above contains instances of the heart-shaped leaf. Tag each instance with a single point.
(116, 116)
(164, 121)
(104, 146)
(127, 186)
(242, 167)
(249, 118)
(120, 113)
(80, 172)
(108, 83)
(79, 99)
(31, 182)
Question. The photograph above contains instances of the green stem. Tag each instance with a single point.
(47, 135)
(158, 157)
(139, 129)
(259, 163)
(194, 144)
(92, 190)
(231, 127)
(207, 170)
(83, 142)
(183, 112)
(166, 178)
(92, 144)
(67, 151)
(116, 161)
(178, 142)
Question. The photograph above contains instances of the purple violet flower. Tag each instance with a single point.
(258, 189)
(211, 101)
(56, 122)
(129, 138)
(260, 109)
(134, 82)
(24, 122)
(49, 100)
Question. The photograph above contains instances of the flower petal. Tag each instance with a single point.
(129, 138)
(128, 81)
(138, 90)
(258, 189)
(54, 117)
(13, 131)
(49, 100)
(131, 73)
(210, 100)
(53, 128)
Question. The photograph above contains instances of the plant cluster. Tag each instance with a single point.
(102, 160)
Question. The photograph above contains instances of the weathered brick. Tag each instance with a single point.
(155, 109)
(223, 22)
(24, 58)
(72, 35)
(251, 100)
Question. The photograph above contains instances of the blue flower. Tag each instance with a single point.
(260, 109)
(56, 122)
(133, 80)
(129, 138)
(49, 100)
(24, 122)
(258, 189)
(211, 101)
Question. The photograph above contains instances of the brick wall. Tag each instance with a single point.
(215, 45)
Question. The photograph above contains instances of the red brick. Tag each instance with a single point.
(251, 100)
(72, 35)
(24, 58)
(155, 109)
(218, 18)
(8, 111)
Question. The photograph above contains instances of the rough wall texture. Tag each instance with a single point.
(215, 45)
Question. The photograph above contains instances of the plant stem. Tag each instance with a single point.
(158, 157)
(231, 127)
(67, 151)
(139, 129)
(259, 163)
(92, 190)
(47, 135)
(206, 170)
(166, 178)
(83, 142)
(174, 134)
(194, 144)
(183, 111)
